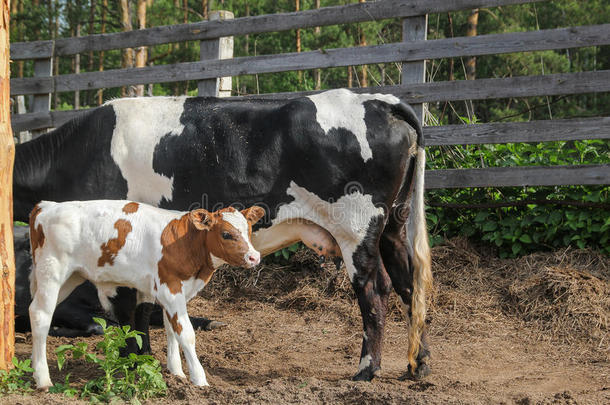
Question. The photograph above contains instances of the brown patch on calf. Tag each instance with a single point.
(174, 321)
(183, 254)
(131, 207)
(36, 233)
(111, 248)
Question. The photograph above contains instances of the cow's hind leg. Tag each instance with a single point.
(397, 259)
(372, 286)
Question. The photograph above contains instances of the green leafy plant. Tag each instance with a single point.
(131, 378)
(12, 381)
(283, 255)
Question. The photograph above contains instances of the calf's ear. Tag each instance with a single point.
(202, 219)
(253, 214)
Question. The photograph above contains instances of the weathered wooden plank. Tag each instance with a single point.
(42, 68)
(519, 176)
(414, 29)
(41, 120)
(213, 49)
(33, 85)
(368, 11)
(480, 89)
(533, 131)
(405, 51)
(32, 50)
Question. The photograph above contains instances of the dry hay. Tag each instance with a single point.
(564, 295)
(569, 302)
(302, 285)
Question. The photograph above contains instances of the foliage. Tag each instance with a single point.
(131, 378)
(12, 381)
(282, 256)
(519, 230)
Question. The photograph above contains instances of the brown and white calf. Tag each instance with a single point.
(168, 256)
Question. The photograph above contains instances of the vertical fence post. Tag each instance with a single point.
(42, 102)
(219, 48)
(7, 155)
(414, 29)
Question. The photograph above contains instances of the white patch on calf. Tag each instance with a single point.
(343, 109)
(347, 219)
(239, 222)
(140, 125)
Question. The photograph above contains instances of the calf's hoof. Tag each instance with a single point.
(366, 374)
(200, 382)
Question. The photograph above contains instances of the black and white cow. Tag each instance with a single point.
(339, 170)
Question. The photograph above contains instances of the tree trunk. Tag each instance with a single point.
(364, 77)
(471, 62)
(77, 70)
(317, 73)
(55, 59)
(127, 52)
(205, 6)
(297, 7)
(90, 61)
(21, 29)
(141, 52)
(451, 63)
(7, 156)
(100, 92)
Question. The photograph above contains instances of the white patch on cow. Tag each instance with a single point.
(364, 336)
(140, 125)
(343, 109)
(347, 219)
(365, 362)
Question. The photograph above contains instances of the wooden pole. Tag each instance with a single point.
(220, 48)
(7, 155)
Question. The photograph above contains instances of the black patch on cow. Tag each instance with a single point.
(72, 162)
(248, 152)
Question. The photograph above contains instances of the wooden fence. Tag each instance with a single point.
(413, 51)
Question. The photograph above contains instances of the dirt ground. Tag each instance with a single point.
(527, 331)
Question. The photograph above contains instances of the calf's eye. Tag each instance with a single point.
(227, 235)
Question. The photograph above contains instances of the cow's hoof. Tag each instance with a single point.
(94, 330)
(423, 370)
(366, 374)
(211, 325)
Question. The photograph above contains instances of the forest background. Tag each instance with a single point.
(511, 220)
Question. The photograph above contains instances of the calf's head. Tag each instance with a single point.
(228, 233)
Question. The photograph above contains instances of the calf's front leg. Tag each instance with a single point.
(176, 318)
(174, 364)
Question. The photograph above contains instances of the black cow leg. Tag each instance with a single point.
(372, 286)
(142, 321)
(124, 309)
(396, 255)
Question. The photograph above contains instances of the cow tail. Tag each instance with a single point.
(422, 273)
(417, 236)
